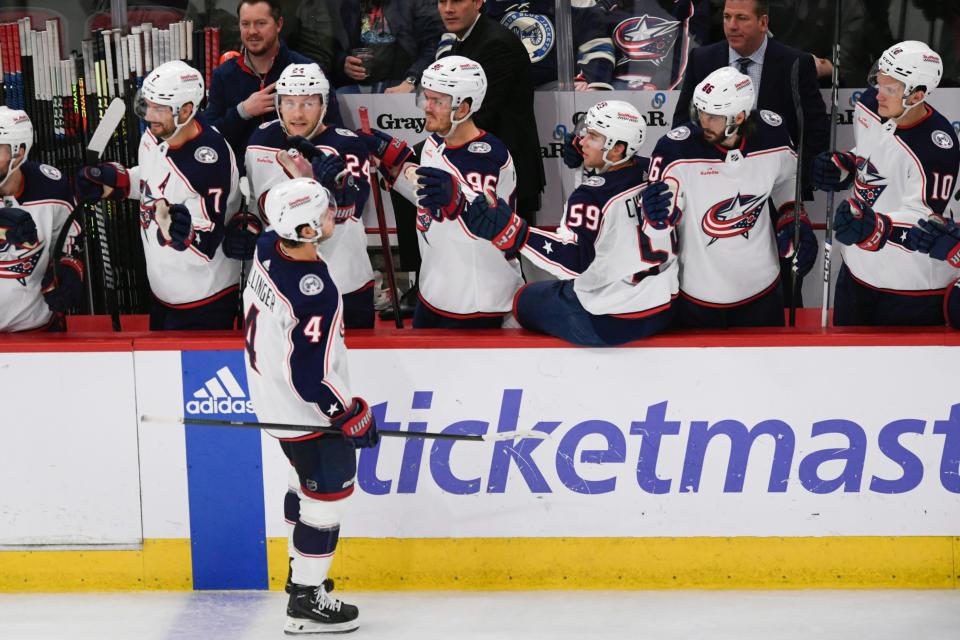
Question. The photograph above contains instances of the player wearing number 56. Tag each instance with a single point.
(616, 267)
(296, 364)
(727, 164)
(187, 183)
(465, 283)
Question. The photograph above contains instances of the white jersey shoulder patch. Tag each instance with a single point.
(771, 118)
(680, 133)
(311, 284)
(54, 174)
(479, 147)
(595, 181)
(346, 132)
(942, 139)
(205, 155)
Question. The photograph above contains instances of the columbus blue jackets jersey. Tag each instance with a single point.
(202, 175)
(906, 173)
(728, 252)
(619, 263)
(534, 22)
(461, 274)
(294, 348)
(346, 251)
(48, 198)
(651, 40)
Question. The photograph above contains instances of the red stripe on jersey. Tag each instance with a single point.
(192, 305)
(451, 314)
(728, 305)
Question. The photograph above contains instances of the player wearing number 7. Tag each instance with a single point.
(187, 183)
(464, 281)
(617, 272)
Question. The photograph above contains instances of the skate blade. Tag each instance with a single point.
(297, 626)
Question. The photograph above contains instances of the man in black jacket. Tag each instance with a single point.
(768, 63)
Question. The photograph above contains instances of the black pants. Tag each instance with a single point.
(856, 303)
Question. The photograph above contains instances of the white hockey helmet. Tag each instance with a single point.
(298, 202)
(16, 130)
(914, 64)
(172, 84)
(303, 80)
(458, 77)
(725, 92)
(617, 121)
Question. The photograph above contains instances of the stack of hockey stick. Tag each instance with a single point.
(66, 97)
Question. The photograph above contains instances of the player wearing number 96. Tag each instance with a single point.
(726, 166)
(187, 183)
(464, 281)
(296, 363)
(617, 271)
(298, 142)
(903, 171)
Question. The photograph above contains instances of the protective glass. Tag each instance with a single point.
(150, 111)
(293, 104)
(436, 101)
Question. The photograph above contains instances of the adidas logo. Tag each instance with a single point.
(220, 394)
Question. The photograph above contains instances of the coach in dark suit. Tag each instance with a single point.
(768, 63)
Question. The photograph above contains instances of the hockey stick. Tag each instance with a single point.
(382, 225)
(834, 99)
(244, 211)
(798, 195)
(280, 426)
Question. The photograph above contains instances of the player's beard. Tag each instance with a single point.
(435, 125)
(160, 130)
(294, 129)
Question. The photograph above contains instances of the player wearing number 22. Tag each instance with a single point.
(724, 168)
(336, 158)
(296, 363)
(903, 170)
(464, 281)
(617, 271)
(187, 183)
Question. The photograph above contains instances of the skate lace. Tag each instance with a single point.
(325, 602)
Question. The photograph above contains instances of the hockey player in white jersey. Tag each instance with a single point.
(296, 364)
(339, 161)
(464, 281)
(903, 170)
(724, 168)
(35, 289)
(187, 184)
(617, 272)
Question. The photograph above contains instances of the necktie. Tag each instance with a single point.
(743, 64)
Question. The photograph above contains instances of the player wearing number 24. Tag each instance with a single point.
(903, 174)
(464, 281)
(725, 167)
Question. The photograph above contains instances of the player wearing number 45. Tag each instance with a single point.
(723, 168)
(464, 281)
(617, 271)
(297, 371)
(186, 181)
(35, 289)
(903, 169)
(299, 144)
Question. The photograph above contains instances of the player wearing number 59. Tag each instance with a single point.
(617, 270)
(725, 167)
(298, 144)
(187, 183)
(297, 371)
(903, 169)
(464, 281)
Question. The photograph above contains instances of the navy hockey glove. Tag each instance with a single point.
(240, 236)
(17, 227)
(181, 227)
(500, 225)
(391, 152)
(834, 171)
(571, 152)
(440, 193)
(655, 201)
(938, 237)
(62, 286)
(326, 168)
(808, 241)
(357, 424)
(857, 223)
(306, 148)
(91, 181)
